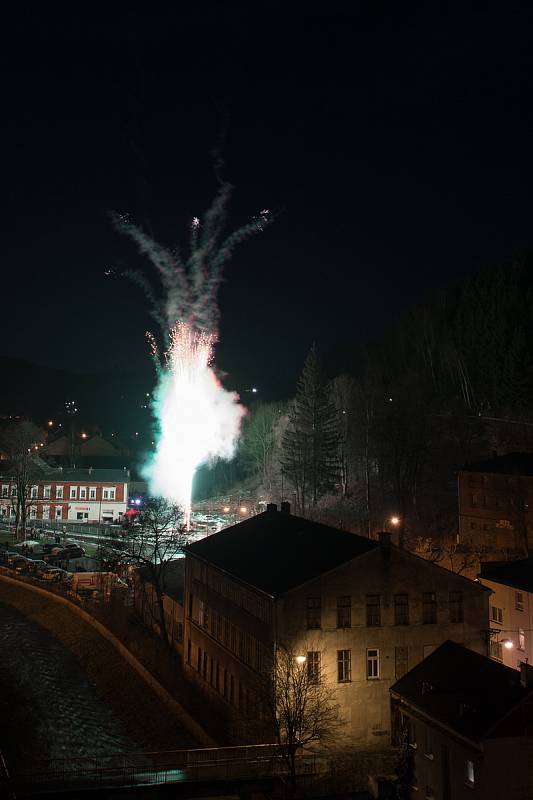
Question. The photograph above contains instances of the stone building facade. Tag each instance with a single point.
(361, 612)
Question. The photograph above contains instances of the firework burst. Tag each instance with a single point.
(197, 419)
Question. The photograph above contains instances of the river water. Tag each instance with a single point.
(48, 708)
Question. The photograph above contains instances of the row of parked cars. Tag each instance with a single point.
(36, 568)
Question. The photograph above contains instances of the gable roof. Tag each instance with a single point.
(276, 551)
(508, 464)
(518, 574)
(462, 690)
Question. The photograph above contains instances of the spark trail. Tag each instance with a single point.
(197, 419)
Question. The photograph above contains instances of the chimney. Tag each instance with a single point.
(285, 507)
(384, 537)
(271, 507)
(526, 675)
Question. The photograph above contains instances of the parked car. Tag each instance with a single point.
(22, 565)
(36, 565)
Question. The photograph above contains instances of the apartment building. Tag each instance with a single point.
(360, 612)
(510, 610)
(496, 504)
(69, 495)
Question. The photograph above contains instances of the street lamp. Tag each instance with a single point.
(508, 644)
(301, 660)
(395, 521)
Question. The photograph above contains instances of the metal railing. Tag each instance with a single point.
(175, 766)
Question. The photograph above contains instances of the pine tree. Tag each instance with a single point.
(310, 443)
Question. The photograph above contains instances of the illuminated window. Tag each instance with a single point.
(496, 614)
(344, 612)
(521, 639)
(372, 664)
(470, 775)
(519, 601)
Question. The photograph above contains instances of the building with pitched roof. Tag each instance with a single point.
(511, 610)
(69, 495)
(361, 613)
(469, 722)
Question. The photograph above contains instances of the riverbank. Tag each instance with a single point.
(148, 722)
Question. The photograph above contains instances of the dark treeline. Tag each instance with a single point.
(450, 383)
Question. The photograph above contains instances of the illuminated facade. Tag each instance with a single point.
(361, 612)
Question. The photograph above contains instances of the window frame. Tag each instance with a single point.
(429, 608)
(344, 666)
(313, 613)
(456, 605)
(313, 667)
(401, 610)
(373, 671)
(344, 611)
(373, 619)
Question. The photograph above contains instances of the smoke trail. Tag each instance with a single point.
(198, 420)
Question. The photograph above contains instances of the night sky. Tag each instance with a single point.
(394, 141)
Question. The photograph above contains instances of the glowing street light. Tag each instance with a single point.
(226, 509)
(508, 644)
(50, 423)
(243, 509)
(395, 521)
(301, 660)
(84, 436)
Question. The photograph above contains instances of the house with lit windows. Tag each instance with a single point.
(359, 612)
(69, 495)
(511, 610)
(467, 727)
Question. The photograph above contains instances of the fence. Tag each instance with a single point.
(207, 764)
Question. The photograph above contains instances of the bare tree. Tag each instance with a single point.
(19, 442)
(300, 705)
(151, 545)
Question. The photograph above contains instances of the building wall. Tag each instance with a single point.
(228, 635)
(500, 767)
(387, 572)
(510, 617)
(489, 510)
(49, 503)
(145, 601)
(243, 626)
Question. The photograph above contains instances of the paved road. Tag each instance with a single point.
(47, 706)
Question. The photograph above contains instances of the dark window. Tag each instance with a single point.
(219, 626)
(314, 613)
(344, 612)
(241, 645)
(188, 651)
(401, 661)
(344, 666)
(226, 632)
(199, 659)
(429, 608)
(217, 678)
(373, 610)
(456, 607)
(205, 665)
(225, 682)
(231, 689)
(211, 671)
(519, 601)
(401, 609)
(313, 667)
